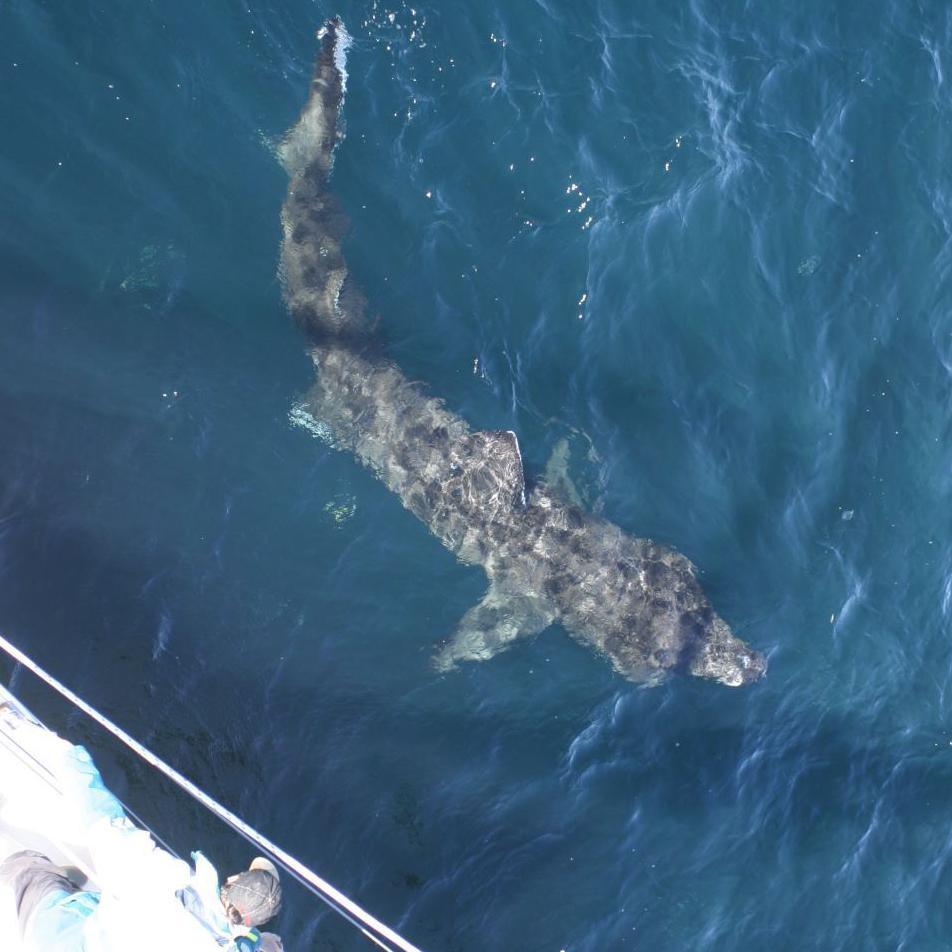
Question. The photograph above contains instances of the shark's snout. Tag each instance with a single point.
(753, 666)
(726, 659)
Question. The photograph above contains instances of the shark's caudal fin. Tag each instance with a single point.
(311, 140)
(493, 625)
(313, 271)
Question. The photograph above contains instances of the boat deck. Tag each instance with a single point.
(30, 804)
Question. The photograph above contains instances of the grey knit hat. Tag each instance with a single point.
(253, 897)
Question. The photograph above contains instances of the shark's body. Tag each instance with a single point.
(636, 602)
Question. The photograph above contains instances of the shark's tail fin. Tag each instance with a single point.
(311, 140)
(313, 271)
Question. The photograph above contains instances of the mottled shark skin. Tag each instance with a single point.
(634, 601)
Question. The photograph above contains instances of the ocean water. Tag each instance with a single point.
(701, 251)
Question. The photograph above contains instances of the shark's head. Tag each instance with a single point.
(652, 618)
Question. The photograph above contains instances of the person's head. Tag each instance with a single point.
(253, 897)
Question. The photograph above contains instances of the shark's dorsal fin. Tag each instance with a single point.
(489, 466)
(557, 477)
(493, 625)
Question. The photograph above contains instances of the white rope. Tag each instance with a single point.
(375, 930)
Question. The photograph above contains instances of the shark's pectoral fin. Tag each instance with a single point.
(492, 626)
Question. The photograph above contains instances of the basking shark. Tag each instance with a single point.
(637, 603)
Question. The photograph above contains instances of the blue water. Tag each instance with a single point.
(756, 201)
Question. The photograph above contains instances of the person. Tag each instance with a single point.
(53, 911)
(253, 897)
(70, 804)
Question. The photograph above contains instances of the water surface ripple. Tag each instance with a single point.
(704, 249)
